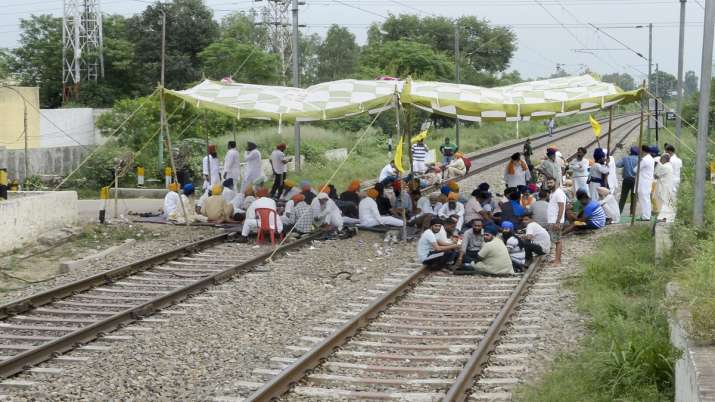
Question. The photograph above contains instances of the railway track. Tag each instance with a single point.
(420, 336)
(37, 328)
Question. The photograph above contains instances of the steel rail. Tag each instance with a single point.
(312, 359)
(27, 303)
(86, 334)
(474, 367)
(294, 373)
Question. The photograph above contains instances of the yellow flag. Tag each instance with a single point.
(419, 137)
(398, 154)
(596, 126)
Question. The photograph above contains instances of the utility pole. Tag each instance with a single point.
(650, 71)
(162, 104)
(704, 112)
(296, 78)
(457, 73)
(681, 47)
(656, 104)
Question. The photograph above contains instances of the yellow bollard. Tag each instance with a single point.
(167, 177)
(140, 176)
(14, 186)
(712, 172)
(3, 183)
(104, 196)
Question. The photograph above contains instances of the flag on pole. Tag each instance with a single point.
(398, 154)
(419, 137)
(595, 125)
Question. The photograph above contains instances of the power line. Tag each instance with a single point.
(619, 42)
(360, 8)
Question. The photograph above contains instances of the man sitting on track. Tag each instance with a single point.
(431, 252)
(370, 214)
(493, 258)
(592, 216)
(472, 243)
(216, 209)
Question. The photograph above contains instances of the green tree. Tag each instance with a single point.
(38, 59)
(190, 28)
(4, 65)
(484, 47)
(664, 84)
(243, 62)
(405, 58)
(690, 83)
(309, 60)
(242, 27)
(338, 54)
(624, 81)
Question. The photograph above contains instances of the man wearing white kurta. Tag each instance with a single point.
(677, 164)
(370, 214)
(326, 212)
(171, 200)
(211, 168)
(579, 170)
(664, 193)
(232, 164)
(645, 182)
(253, 165)
(612, 173)
(252, 221)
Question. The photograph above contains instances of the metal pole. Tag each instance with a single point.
(24, 128)
(296, 79)
(656, 104)
(681, 46)
(610, 129)
(703, 112)
(162, 105)
(650, 72)
(457, 73)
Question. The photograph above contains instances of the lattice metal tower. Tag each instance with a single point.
(82, 58)
(276, 16)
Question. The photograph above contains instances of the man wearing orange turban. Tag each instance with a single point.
(453, 208)
(211, 168)
(370, 214)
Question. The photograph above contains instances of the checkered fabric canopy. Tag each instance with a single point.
(330, 100)
(524, 101)
(339, 99)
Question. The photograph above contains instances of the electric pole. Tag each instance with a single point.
(704, 112)
(296, 78)
(162, 109)
(82, 43)
(457, 70)
(681, 47)
(650, 71)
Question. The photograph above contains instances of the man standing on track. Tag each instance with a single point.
(232, 164)
(628, 163)
(645, 182)
(211, 168)
(579, 170)
(555, 218)
(279, 164)
(551, 168)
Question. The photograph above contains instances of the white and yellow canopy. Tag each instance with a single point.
(344, 98)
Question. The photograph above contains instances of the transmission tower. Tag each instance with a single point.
(82, 58)
(276, 16)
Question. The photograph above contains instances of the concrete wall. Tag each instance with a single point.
(68, 127)
(12, 107)
(26, 215)
(43, 161)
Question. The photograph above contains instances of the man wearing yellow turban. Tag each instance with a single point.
(215, 208)
(171, 200)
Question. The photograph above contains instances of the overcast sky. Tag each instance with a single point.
(548, 31)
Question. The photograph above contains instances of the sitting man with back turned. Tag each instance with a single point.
(216, 208)
(493, 258)
(429, 250)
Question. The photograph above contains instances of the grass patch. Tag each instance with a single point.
(627, 356)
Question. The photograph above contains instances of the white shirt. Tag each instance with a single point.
(556, 198)
(677, 164)
(611, 208)
(579, 167)
(425, 244)
(228, 194)
(253, 165)
(277, 158)
(232, 165)
(647, 169)
(264, 202)
(330, 207)
(386, 172)
(424, 205)
(171, 202)
(516, 179)
(446, 212)
(540, 236)
(215, 166)
(369, 213)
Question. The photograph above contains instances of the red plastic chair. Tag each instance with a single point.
(264, 217)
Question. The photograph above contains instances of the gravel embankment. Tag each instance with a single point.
(236, 327)
(156, 239)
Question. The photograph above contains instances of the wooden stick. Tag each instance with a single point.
(634, 195)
